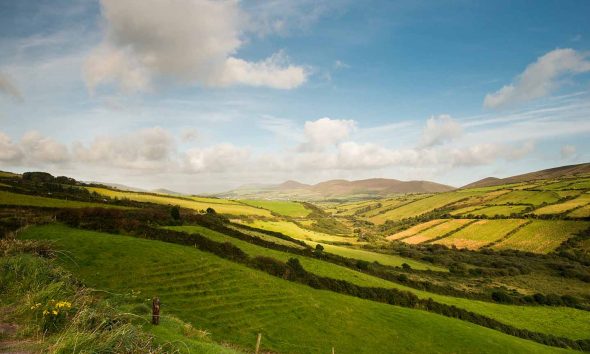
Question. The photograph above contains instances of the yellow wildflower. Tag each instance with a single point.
(54, 312)
(45, 312)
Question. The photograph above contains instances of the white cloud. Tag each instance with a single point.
(190, 42)
(9, 88)
(189, 134)
(326, 132)
(440, 130)
(338, 64)
(272, 72)
(218, 158)
(539, 78)
(151, 148)
(568, 151)
(40, 149)
(9, 151)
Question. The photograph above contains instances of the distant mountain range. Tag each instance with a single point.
(555, 172)
(366, 188)
(336, 189)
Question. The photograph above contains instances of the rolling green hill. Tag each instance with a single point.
(235, 303)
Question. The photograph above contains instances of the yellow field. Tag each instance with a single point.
(415, 229)
(291, 229)
(583, 212)
(437, 231)
(565, 206)
(502, 210)
(420, 206)
(481, 233)
(196, 203)
(542, 236)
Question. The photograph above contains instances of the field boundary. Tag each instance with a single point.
(426, 229)
(508, 235)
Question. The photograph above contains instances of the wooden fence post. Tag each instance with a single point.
(156, 311)
(258, 342)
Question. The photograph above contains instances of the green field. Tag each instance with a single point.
(312, 238)
(477, 200)
(565, 206)
(266, 237)
(385, 259)
(501, 210)
(481, 233)
(234, 303)
(281, 207)
(415, 229)
(505, 313)
(437, 231)
(542, 236)
(420, 206)
(580, 185)
(526, 197)
(195, 203)
(313, 265)
(8, 198)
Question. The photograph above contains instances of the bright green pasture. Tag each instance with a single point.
(282, 207)
(526, 197)
(437, 231)
(481, 233)
(235, 303)
(542, 236)
(385, 259)
(195, 203)
(8, 198)
(313, 265)
(585, 184)
(266, 237)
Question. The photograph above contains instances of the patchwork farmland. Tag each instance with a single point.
(494, 262)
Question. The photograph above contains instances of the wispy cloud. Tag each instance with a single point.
(540, 78)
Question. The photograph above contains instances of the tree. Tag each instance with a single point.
(319, 249)
(175, 212)
(210, 210)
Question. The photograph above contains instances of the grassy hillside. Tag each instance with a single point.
(235, 302)
(8, 198)
(195, 203)
(562, 321)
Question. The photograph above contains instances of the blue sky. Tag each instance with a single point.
(204, 96)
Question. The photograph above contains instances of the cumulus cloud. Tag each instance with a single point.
(568, 151)
(190, 42)
(9, 151)
(218, 158)
(9, 88)
(540, 78)
(32, 149)
(40, 149)
(439, 130)
(326, 132)
(151, 148)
